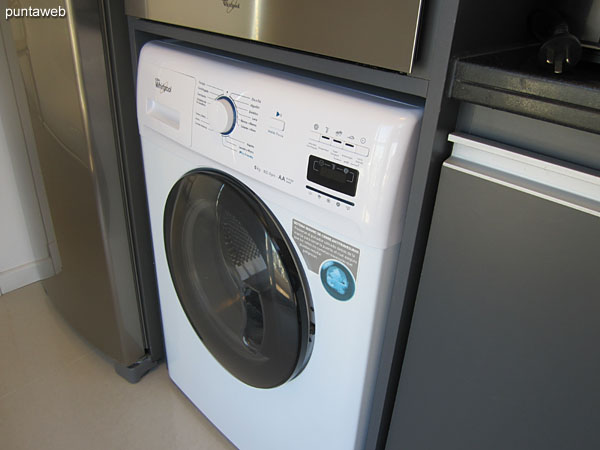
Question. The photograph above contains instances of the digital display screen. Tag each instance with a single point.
(332, 175)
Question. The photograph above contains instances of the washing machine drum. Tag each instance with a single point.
(238, 279)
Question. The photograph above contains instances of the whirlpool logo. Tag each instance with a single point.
(230, 5)
(163, 87)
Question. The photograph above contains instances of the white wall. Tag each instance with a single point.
(24, 252)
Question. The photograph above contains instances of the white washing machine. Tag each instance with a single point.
(276, 206)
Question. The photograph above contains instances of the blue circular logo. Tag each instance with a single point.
(337, 280)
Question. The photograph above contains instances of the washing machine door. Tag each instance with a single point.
(238, 279)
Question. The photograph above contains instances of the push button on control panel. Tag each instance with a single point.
(276, 124)
(338, 142)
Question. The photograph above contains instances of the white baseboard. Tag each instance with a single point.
(26, 274)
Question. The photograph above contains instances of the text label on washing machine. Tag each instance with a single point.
(162, 86)
(317, 247)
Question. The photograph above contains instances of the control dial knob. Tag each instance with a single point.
(222, 115)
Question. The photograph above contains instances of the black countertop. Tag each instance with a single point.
(511, 80)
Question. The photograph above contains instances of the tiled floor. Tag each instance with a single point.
(57, 393)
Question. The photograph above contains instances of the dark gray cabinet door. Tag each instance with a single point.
(504, 347)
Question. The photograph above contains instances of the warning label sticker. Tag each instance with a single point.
(317, 247)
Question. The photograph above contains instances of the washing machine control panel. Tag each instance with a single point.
(347, 153)
(281, 147)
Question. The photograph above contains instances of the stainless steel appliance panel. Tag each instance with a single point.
(63, 65)
(377, 33)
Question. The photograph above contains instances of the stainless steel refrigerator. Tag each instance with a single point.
(77, 76)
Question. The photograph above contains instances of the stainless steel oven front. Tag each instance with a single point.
(377, 33)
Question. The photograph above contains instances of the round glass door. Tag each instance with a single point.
(238, 279)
